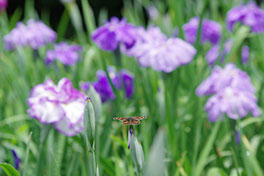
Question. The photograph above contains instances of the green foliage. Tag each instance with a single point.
(9, 169)
(176, 138)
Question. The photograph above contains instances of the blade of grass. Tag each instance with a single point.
(206, 150)
(88, 18)
(27, 153)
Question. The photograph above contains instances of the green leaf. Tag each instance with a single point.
(88, 17)
(96, 102)
(89, 121)
(137, 154)
(240, 36)
(9, 169)
(27, 153)
(203, 158)
(215, 172)
(155, 165)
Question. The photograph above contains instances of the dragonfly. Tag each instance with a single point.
(130, 120)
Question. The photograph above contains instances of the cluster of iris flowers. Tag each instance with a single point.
(62, 105)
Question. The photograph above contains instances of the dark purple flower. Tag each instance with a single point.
(103, 87)
(127, 83)
(65, 53)
(35, 34)
(237, 137)
(248, 14)
(245, 54)
(154, 49)
(111, 34)
(210, 31)
(220, 78)
(16, 159)
(61, 105)
(122, 80)
(233, 102)
(3, 5)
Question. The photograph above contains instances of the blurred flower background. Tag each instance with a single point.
(193, 68)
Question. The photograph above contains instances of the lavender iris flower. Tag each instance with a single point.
(233, 94)
(61, 105)
(122, 80)
(248, 14)
(210, 31)
(215, 53)
(245, 54)
(3, 5)
(220, 78)
(16, 159)
(35, 34)
(233, 102)
(65, 53)
(111, 34)
(237, 137)
(154, 49)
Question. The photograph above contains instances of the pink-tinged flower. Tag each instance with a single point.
(35, 34)
(122, 80)
(220, 78)
(248, 14)
(154, 49)
(65, 53)
(234, 103)
(111, 34)
(61, 105)
(210, 31)
(3, 5)
(215, 53)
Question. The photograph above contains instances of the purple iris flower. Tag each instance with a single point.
(16, 159)
(35, 34)
(220, 78)
(237, 137)
(103, 86)
(61, 105)
(210, 31)
(111, 34)
(233, 102)
(248, 14)
(3, 5)
(245, 54)
(215, 53)
(65, 53)
(233, 94)
(122, 80)
(154, 49)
